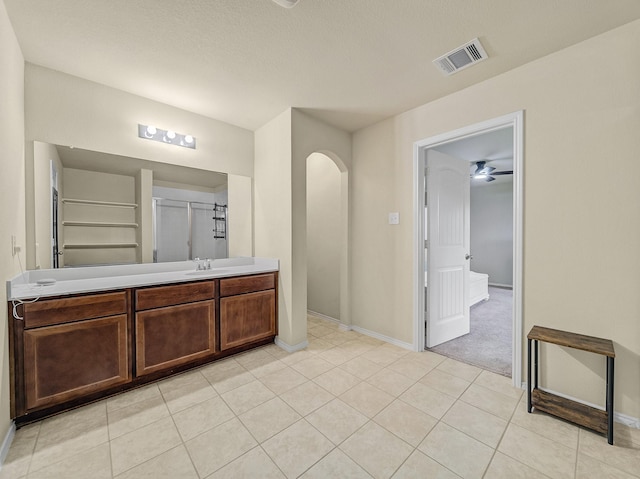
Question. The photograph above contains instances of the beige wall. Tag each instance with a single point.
(240, 218)
(12, 186)
(581, 197)
(272, 221)
(323, 235)
(280, 201)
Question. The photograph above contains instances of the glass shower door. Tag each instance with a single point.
(171, 230)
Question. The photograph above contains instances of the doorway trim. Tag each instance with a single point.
(516, 121)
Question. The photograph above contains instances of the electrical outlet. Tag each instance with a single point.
(394, 218)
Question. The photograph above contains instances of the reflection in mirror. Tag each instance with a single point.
(96, 208)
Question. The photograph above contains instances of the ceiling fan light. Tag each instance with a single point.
(489, 178)
(286, 3)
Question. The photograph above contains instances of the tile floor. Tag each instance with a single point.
(348, 406)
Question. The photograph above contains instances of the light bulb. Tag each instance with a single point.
(150, 131)
(188, 139)
(171, 134)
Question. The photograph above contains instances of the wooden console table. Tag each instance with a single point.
(587, 416)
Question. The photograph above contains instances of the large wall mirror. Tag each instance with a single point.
(95, 208)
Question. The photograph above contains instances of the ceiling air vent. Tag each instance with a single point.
(461, 57)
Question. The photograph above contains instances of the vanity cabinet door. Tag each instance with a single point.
(246, 318)
(67, 361)
(175, 335)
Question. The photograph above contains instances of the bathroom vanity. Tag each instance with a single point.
(101, 330)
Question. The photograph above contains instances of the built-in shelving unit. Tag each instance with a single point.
(100, 223)
(100, 245)
(99, 203)
(99, 231)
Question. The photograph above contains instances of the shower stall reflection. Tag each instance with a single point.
(184, 230)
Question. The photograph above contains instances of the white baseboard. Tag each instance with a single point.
(630, 421)
(341, 326)
(322, 316)
(6, 444)
(382, 337)
(289, 348)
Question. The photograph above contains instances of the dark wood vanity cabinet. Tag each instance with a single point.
(247, 309)
(169, 334)
(70, 348)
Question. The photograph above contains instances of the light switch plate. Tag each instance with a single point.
(394, 218)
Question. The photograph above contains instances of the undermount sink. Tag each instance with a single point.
(204, 272)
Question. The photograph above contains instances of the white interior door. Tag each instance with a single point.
(447, 247)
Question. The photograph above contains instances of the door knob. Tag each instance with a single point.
(468, 256)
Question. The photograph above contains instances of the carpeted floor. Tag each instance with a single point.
(488, 345)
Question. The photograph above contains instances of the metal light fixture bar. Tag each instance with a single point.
(149, 132)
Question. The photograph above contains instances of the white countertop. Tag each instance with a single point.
(105, 278)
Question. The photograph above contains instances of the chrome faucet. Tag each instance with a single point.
(202, 265)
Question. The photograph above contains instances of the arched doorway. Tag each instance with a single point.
(328, 237)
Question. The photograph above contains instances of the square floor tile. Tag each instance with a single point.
(390, 382)
(307, 397)
(269, 418)
(367, 399)
(411, 367)
(283, 380)
(461, 370)
(445, 382)
(420, 466)
(143, 444)
(622, 455)
(94, 463)
(312, 367)
(361, 367)
(406, 422)
(376, 450)
(490, 401)
(337, 420)
(248, 396)
(253, 464)
(219, 446)
(138, 414)
(498, 383)
(503, 467)
(185, 390)
(546, 425)
(456, 451)
(476, 423)
(428, 400)
(547, 456)
(172, 464)
(337, 381)
(336, 464)
(226, 375)
(589, 468)
(297, 448)
(200, 418)
(133, 396)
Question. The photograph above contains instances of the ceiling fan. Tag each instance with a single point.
(487, 173)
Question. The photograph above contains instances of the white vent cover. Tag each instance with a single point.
(461, 58)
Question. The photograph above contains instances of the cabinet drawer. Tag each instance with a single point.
(175, 335)
(247, 284)
(69, 361)
(160, 296)
(49, 312)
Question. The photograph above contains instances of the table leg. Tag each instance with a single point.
(610, 373)
(528, 375)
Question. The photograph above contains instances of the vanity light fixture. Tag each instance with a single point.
(149, 132)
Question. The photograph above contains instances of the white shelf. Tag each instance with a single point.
(99, 203)
(100, 223)
(99, 245)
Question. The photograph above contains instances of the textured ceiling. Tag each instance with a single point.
(349, 62)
